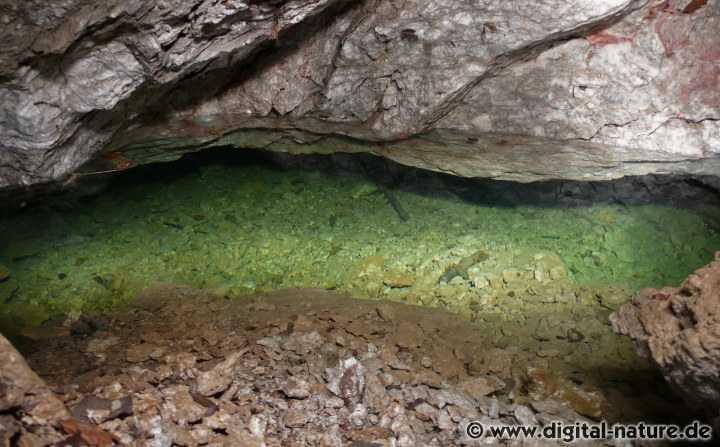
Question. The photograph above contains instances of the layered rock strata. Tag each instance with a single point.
(580, 89)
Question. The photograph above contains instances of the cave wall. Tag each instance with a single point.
(578, 89)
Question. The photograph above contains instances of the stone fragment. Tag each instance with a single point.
(96, 410)
(304, 323)
(360, 328)
(358, 416)
(443, 421)
(438, 398)
(7, 288)
(525, 416)
(220, 377)
(545, 384)
(403, 431)
(426, 411)
(368, 436)
(398, 279)
(100, 345)
(332, 437)
(509, 275)
(429, 378)
(347, 380)
(4, 272)
(303, 343)
(296, 388)
(269, 342)
(375, 397)
(409, 335)
(352, 381)
(181, 406)
(242, 437)
(141, 352)
(447, 365)
(481, 386)
(212, 337)
(574, 336)
(497, 361)
(398, 365)
(386, 312)
(296, 418)
(179, 365)
(554, 408)
(85, 324)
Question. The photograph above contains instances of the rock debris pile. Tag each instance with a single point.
(299, 367)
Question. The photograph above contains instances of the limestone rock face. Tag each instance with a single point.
(581, 89)
(679, 330)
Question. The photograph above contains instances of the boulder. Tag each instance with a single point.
(678, 329)
(28, 409)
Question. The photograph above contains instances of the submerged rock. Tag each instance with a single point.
(4, 273)
(7, 289)
(678, 329)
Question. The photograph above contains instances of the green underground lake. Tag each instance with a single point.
(538, 267)
(239, 222)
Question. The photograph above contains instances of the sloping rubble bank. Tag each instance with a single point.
(298, 367)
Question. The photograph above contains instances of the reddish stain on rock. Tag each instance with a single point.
(695, 44)
(694, 5)
(673, 32)
(603, 37)
(110, 156)
(701, 80)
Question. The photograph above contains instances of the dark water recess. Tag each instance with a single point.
(672, 190)
(697, 193)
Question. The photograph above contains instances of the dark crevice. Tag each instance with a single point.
(693, 192)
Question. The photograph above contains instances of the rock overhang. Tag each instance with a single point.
(581, 90)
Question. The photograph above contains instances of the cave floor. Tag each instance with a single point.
(311, 367)
(533, 282)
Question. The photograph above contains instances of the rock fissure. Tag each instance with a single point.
(616, 125)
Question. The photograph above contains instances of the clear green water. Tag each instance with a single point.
(241, 228)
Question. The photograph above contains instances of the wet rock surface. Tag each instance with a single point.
(302, 367)
(609, 88)
(678, 329)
